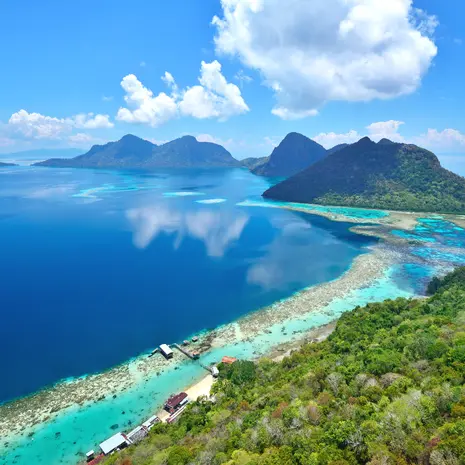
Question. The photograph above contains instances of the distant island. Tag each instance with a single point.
(4, 165)
(134, 152)
(252, 162)
(384, 175)
(295, 153)
(42, 154)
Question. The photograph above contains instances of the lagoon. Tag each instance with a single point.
(98, 266)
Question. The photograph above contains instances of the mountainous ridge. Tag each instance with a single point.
(133, 152)
(336, 148)
(295, 153)
(386, 175)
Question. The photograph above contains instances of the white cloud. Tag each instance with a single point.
(81, 138)
(213, 98)
(90, 121)
(37, 126)
(108, 98)
(214, 140)
(287, 114)
(146, 108)
(331, 139)
(448, 140)
(310, 53)
(142, 64)
(385, 130)
(375, 131)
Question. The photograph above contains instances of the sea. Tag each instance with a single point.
(99, 267)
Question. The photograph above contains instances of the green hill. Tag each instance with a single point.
(384, 175)
(133, 152)
(295, 153)
(252, 162)
(386, 388)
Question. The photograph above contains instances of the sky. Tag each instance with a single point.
(242, 73)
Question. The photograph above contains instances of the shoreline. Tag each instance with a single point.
(20, 417)
(259, 333)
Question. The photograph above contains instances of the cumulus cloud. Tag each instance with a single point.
(331, 139)
(375, 131)
(446, 140)
(310, 53)
(386, 130)
(144, 107)
(214, 140)
(215, 97)
(38, 126)
(81, 138)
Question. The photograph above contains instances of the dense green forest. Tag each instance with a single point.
(387, 387)
(384, 175)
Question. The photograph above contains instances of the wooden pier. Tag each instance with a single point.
(191, 356)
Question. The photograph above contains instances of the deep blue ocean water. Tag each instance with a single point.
(97, 267)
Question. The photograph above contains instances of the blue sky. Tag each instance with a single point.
(322, 68)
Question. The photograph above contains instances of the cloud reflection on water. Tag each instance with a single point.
(217, 229)
(299, 250)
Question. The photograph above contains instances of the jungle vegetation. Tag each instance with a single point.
(386, 388)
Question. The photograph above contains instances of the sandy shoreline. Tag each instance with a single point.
(18, 418)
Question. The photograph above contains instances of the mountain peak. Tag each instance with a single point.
(188, 138)
(130, 137)
(385, 141)
(295, 153)
(386, 175)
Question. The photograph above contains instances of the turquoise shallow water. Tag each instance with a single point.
(66, 439)
(348, 212)
(439, 242)
(73, 432)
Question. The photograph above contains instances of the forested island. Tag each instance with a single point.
(136, 153)
(383, 175)
(386, 387)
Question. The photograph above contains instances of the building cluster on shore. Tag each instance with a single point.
(172, 410)
(173, 407)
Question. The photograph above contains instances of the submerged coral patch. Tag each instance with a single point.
(182, 194)
(211, 201)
